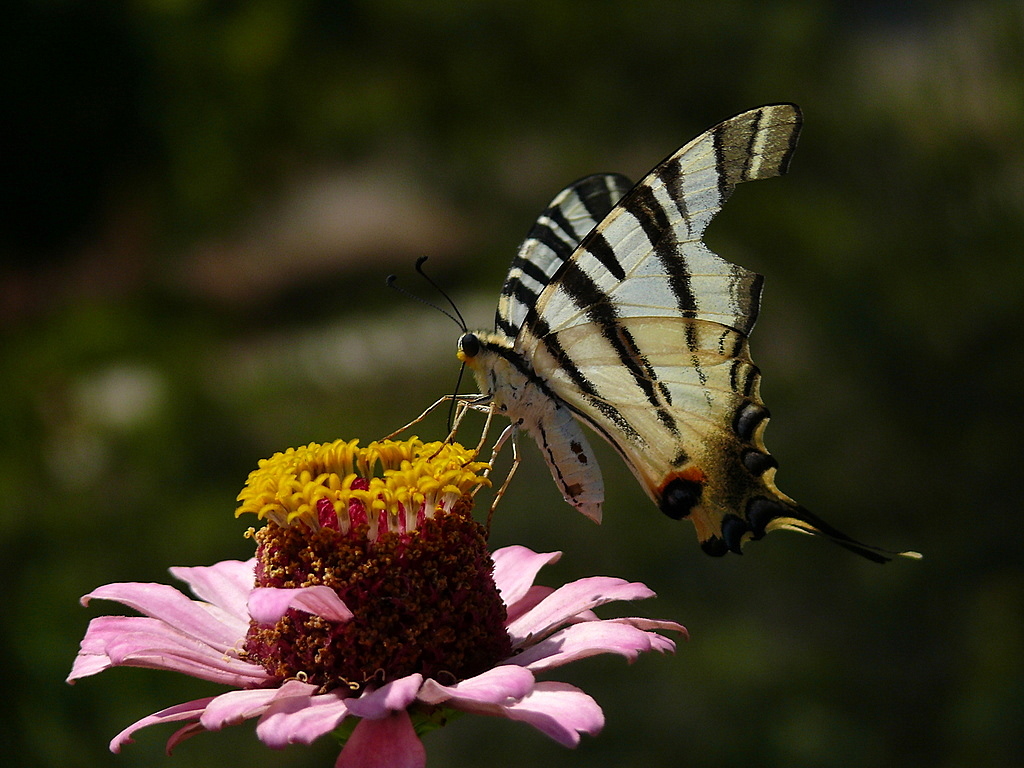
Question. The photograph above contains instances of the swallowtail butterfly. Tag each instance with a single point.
(615, 314)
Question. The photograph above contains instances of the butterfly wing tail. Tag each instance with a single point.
(801, 519)
(725, 522)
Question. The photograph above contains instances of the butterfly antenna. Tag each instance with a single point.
(456, 318)
(419, 268)
(391, 282)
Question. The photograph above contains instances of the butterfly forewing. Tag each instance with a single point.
(573, 213)
(653, 235)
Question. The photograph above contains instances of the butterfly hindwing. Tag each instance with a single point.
(687, 418)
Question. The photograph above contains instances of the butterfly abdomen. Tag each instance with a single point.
(518, 393)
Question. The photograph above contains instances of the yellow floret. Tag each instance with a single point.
(287, 487)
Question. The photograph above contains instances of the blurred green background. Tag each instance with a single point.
(202, 200)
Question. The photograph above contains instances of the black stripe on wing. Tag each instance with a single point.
(599, 247)
(727, 150)
(599, 193)
(644, 206)
(757, 144)
(537, 327)
(600, 310)
(574, 212)
(753, 145)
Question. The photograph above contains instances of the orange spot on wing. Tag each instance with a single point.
(692, 474)
(681, 492)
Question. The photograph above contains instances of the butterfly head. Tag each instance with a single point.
(469, 347)
(477, 353)
(480, 350)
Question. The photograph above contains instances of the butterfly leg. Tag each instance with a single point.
(419, 418)
(483, 438)
(511, 431)
(475, 403)
(464, 405)
(478, 405)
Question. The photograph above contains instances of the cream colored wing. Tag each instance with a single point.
(698, 448)
(643, 333)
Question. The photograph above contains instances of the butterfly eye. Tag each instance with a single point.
(469, 345)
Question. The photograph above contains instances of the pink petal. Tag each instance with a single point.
(568, 601)
(390, 697)
(559, 710)
(190, 710)
(578, 641)
(533, 596)
(390, 742)
(185, 732)
(226, 584)
(233, 707)
(87, 664)
(484, 694)
(659, 624)
(268, 604)
(138, 641)
(300, 720)
(203, 621)
(515, 568)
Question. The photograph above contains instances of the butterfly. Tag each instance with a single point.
(616, 315)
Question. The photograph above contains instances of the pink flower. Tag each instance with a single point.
(547, 627)
(372, 611)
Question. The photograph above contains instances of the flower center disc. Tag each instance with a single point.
(423, 602)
